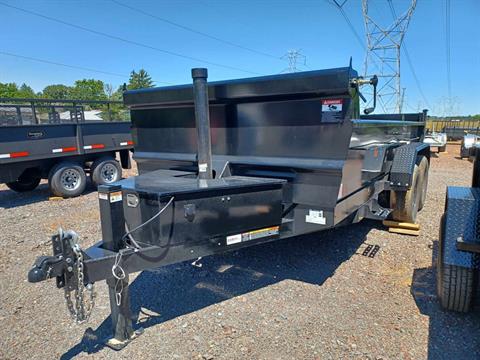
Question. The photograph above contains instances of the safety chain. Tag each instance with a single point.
(80, 312)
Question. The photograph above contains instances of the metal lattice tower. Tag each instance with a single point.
(294, 56)
(383, 52)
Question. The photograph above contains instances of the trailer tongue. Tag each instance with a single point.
(238, 163)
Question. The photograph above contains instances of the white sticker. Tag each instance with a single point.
(234, 239)
(316, 217)
(103, 196)
(202, 167)
(115, 196)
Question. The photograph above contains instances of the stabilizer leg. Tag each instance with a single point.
(121, 314)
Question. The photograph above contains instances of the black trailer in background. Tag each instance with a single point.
(62, 140)
(286, 155)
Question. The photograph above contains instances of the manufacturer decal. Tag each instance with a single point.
(35, 134)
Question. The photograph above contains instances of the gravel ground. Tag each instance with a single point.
(313, 297)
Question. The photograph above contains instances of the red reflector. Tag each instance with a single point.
(98, 146)
(19, 154)
(68, 149)
(129, 142)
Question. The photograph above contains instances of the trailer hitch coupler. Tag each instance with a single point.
(202, 119)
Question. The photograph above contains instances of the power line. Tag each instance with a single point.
(170, 22)
(347, 20)
(409, 60)
(60, 64)
(447, 45)
(30, 58)
(118, 38)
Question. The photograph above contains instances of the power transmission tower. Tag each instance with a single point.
(383, 51)
(294, 56)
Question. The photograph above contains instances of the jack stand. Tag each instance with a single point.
(121, 315)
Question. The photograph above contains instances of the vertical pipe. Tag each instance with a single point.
(202, 119)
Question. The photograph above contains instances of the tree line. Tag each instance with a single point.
(85, 89)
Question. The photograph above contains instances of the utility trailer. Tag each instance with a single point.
(458, 258)
(238, 163)
(55, 140)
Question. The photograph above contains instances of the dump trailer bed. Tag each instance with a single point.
(238, 163)
(30, 148)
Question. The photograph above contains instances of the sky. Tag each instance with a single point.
(253, 37)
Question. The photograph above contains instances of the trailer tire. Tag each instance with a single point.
(26, 182)
(405, 203)
(67, 180)
(424, 167)
(442, 149)
(455, 284)
(105, 170)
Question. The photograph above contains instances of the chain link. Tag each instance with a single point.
(80, 311)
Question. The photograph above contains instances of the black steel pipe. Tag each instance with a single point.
(202, 120)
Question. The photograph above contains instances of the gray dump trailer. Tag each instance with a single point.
(237, 163)
(53, 139)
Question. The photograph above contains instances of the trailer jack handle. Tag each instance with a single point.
(372, 81)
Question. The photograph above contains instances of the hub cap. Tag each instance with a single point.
(109, 173)
(70, 179)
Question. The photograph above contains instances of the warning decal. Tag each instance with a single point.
(332, 110)
(252, 235)
(334, 105)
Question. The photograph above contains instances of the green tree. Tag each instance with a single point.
(57, 91)
(25, 91)
(8, 90)
(139, 80)
(89, 89)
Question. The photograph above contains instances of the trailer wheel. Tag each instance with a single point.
(455, 284)
(442, 149)
(405, 203)
(67, 180)
(105, 170)
(28, 181)
(423, 167)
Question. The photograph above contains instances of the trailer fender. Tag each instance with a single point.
(125, 159)
(403, 165)
(461, 213)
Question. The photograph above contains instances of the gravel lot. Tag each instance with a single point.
(314, 297)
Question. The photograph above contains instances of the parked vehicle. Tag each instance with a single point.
(459, 244)
(436, 139)
(51, 139)
(468, 145)
(240, 163)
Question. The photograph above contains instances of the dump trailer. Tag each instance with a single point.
(237, 163)
(55, 140)
(458, 256)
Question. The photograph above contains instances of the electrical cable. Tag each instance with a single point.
(127, 41)
(128, 234)
(187, 28)
(117, 271)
